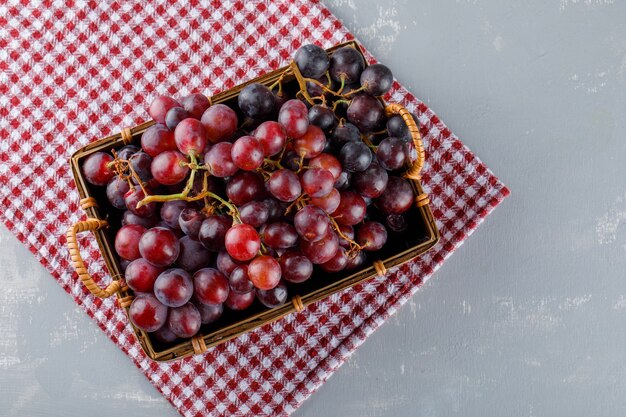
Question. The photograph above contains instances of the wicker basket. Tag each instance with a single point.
(421, 236)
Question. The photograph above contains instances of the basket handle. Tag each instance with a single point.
(414, 171)
(77, 260)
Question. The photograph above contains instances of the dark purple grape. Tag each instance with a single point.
(366, 112)
(343, 182)
(315, 90)
(397, 197)
(239, 280)
(141, 163)
(213, 232)
(131, 218)
(225, 263)
(256, 101)
(355, 156)
(127, 151)
(209, 312)
(392, 153)
(344, 134)
(377, 79)
(322, 117)
(347, 231)
(372, 182)
(274, 297)
(193, 255)
(275, 209)
(396, 223)
(371, 236)
(312, 61)
(195, 104)
(254, 213)
(295, 266)
(290, 161)
(346, 64)
(116, 189)
(170, 212)
(397, 128)
(244, 187)
(165, 335)
(189, 221)
(174, 116)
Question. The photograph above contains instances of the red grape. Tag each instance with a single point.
(284, 185)
(371, 182)
(293, 116)
(351, 210)
(242, 242)
(190, 137)
(271, 136)
(195, 104)
(317, 182)
(225, 263)
(247, 153)
(239, 280)
(133, 197)
(377, 79)
(311, 223)
(329, 202)
(160, 106)
(347, 231)
(321, 251)
(366, 112)
(356, 261)
(129, 150)
(213, 232)
(169, 168)
(165, 335)
(244, 187)
(174, 116)
(256, 101)
(392, 153)
(295, 266)
(280, 235)
(237, 301)
(327, 161)
(264, 272)
(254, 213)
(210, 286)
(98, 169)
(336, 263)
(310, 144)
(396, 223)
(159, 246)
(173, 287)
(371, 236)
(220, 122)
(190, 220)
(312, 61)
(209, 312)
(219, 160)
(397, 198)
(274, 297)
(170, 211)
(184, 321)
(127, 241)
(192, 255)
(147, 313)
(116, 189)
(156, 139)
(141, 275)
(131, 218)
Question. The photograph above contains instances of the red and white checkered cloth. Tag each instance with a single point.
(72, 72)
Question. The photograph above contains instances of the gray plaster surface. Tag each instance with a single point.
(528, 318)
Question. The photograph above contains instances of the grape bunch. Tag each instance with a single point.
(225, 204)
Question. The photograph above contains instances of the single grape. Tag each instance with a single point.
(184, 321)
(127, 241)
(127, 151)
(244, 187)
(372, 182)
(338, 262)
(247, 153)
(264, 272)
(397, 128)
(327, 161)
(315, 90)
(159, 246)
(133, 197)
(239, 280)
(396, 223)
(192, 255)
(291, 160)
(147, 313)
(210, 286)
(371, 236)
(156, 139)
(351, 210)
(254, 213)
(345, 133)
(169, 167)
(280, 235)
(256, 101)
(213, 232)
(190, 136)
(273, 297)
(377, 79)
(173, 287)
(189, 221)
(284, 185)
(329, 202)
(355, 156)
(195, 104)
(160, 106)
(312, 61)
(310, 144)
(116, 189)
(209, 312)
(317, 182)
(321, 251)
(347, 231)
(356, 261)
(322, 117)
(225, 263)
(392, 153)
(174, 116)
(293, 117)
(242, 242)
(272, 137)
(397, 198)
(219, 160)
(237, 301)
(220, 122)
(140, 275)
(275, 209)
(142, 163)
(131, 218)
(346, 64)
(98, 168)
(165, 335)
(295, 266)
(170, 211)
(366, 112)
(344, 181)
(311, 223)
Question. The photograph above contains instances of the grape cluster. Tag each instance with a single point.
(224, 204)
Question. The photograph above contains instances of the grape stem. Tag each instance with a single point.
(301, 83)
(358, 90)
(354, 247)
(298, 202)
(338, 102)
(322, 86)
